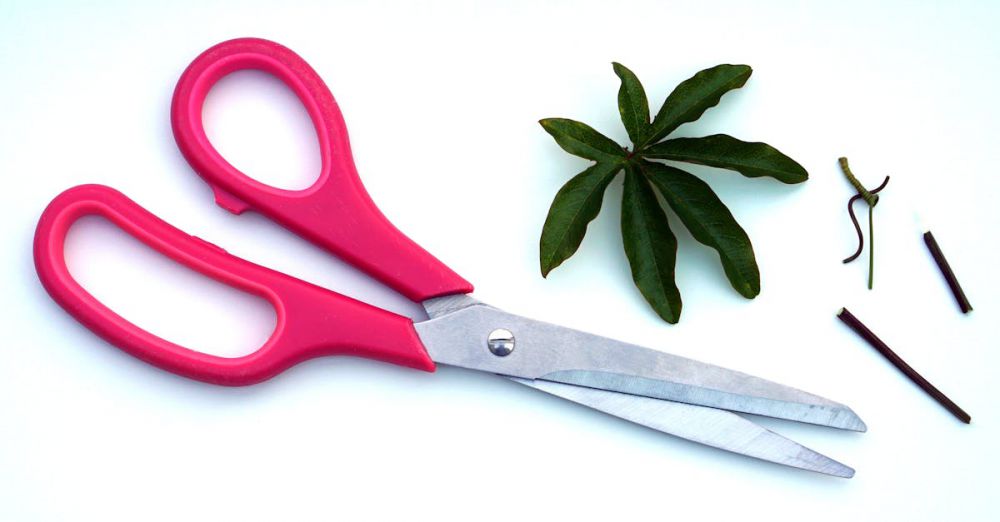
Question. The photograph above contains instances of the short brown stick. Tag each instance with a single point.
(949, 276)
(866, 334)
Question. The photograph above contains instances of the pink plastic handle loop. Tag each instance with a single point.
(311, 321)
(336, 212)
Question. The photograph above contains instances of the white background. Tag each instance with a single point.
(442, 100)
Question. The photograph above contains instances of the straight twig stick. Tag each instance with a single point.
(866, 334)
(949, 276)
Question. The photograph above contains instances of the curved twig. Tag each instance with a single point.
(854, 219)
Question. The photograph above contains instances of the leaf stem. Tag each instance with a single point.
(871, 198)
(854, 221)
(871, 246)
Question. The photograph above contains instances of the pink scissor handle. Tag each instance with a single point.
(336, 212)
(311, 321)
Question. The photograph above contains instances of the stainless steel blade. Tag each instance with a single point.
(460, 326)
(709, 426)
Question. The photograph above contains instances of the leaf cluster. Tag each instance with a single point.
(649, 242)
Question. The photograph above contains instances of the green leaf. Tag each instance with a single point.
(581, 140)
(750, 159)
(696, 95)
(650, 246)
(649, 243)
(576, 204)
(632, 104)
(710, 222)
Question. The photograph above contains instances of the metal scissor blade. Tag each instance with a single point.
(459, 327)
(709, 426)
(742, 393)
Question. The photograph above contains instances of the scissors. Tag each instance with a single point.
(668, 393)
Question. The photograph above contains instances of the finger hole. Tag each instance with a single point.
(261, 127)
(162, 296)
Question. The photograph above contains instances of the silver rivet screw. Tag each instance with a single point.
(500, 342)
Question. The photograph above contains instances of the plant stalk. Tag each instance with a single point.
(871, 246)
(871, 198)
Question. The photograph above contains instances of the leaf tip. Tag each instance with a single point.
(549, 126)
(749, 291)
(546, 262)
(670, 318)
(621, 71)
(744, 70)
(798, 175)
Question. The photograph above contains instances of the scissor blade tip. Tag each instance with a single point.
(822, 464)
(839, 416)
(853, 422)
(841, 471)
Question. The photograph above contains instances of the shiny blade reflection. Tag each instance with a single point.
(459, 326)
(709, 426)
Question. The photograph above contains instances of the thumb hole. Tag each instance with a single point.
(261, 127)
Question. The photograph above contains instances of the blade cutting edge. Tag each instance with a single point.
(459, 327)
(708, 426)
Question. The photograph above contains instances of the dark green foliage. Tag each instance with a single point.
(649, 243)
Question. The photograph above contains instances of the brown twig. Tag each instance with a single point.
(949, 276)
(866, 334)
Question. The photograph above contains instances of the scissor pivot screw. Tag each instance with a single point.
(500, 342)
